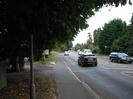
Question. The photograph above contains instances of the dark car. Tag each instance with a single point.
(120, 57)
(89, 59)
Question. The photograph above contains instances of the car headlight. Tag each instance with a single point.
(124, 58)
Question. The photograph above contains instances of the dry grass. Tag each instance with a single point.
(19, 89)
(46, 87)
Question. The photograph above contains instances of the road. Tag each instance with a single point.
(106, 81)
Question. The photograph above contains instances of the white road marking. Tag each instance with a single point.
(89, 89)
(127, 73)
(120, 68)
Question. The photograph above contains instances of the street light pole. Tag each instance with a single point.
(32, 82)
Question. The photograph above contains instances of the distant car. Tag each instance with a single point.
(80, 52)
(89, 59)
(120, 57)
(66, 53)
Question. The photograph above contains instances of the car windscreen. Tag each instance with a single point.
(89, 55)
(123, 55)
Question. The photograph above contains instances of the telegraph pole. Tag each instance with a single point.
(32, 82)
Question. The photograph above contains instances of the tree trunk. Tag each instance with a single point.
(21, 63)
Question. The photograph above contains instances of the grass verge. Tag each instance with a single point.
(19, 89)
(51, 58)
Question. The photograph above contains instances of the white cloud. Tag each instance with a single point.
(104, 15)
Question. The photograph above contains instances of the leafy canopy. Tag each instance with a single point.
(125, 42)
(50, 21)
(110, 32)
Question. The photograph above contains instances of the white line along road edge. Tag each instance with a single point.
(89, 89)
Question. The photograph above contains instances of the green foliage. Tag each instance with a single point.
(130, 49)
(96, 34)
(66, 46)
(51, 58)
(125, 42)
(79, 46)
(110, 32)
(114, 36)
(49, 20)
(121, 44)
(89, 43)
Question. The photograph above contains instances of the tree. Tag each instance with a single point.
(122, 43)
(130, 29)
(79, 46)
(67, 46)
(110, 32)
(96, 34)
(50, 22)
(125, 42)
(89, 43)
(3, 29)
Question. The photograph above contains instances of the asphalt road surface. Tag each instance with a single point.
(106, 81)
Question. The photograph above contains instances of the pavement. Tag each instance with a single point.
(69, 86)
(38, 70)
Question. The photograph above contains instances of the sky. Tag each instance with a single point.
(104, 15)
